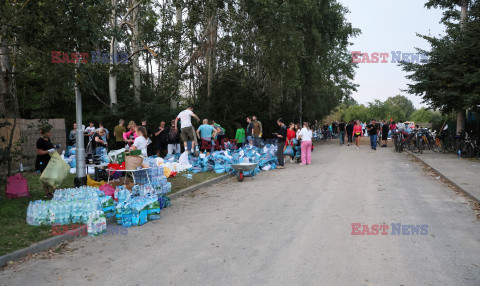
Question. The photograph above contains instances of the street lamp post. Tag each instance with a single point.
(81, 179)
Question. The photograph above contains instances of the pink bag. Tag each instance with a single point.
(108, 190)
(17, 186)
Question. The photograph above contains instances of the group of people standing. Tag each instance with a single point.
(158, 141)
(356, 129)
(166, 140)
(292, 136)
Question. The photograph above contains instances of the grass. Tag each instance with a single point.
(179, 182)
(16, 234)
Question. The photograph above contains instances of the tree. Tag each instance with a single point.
(450, 80)
(422, 115)
(285, 59)
(358, 112)
(402, 103)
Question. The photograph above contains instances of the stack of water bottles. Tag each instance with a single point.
(68, 206)
(97, 223)
(143, 203)
(153, 172)
(137, 210)
(108, 205)
(121, 194)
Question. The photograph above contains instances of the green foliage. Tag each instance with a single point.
(267, 55)
(450, 80)
(400, 103)
(422, 115)
(357, 112)
(395, 108)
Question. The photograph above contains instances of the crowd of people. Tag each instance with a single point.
(378, 131)
(208, 137)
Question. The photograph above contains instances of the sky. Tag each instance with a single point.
(389, 25)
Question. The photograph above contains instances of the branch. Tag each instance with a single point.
(99, 99)
(123, 21)
(202, 39)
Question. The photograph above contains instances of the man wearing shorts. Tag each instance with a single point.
(206, 132)
(187, 130)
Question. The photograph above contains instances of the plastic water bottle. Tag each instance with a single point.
(21, 167)
(30, 213)
(103, 222)
(127, 216)
(459, 153)
(90, 230)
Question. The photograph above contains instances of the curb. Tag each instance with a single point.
(69, 236)
(36, 247)
(465, 192)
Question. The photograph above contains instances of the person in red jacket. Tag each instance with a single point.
(357, 133)
(291, 134)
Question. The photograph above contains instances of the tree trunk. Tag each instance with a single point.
(211, 56)
(135, 58)
(112, 77)
(461, 114)
(176, 57)
(147, 76)
(8, 95)
(5, 77)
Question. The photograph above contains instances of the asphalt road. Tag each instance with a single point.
(292, 227)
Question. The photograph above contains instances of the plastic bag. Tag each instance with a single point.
(219, 169)
(56, 171)
(93, 183)
(108, 190)
(167, 171)
(288, 151)
(17, 187)
(184, 160)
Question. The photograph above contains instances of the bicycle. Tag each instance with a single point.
(424, 140)
(467, 145)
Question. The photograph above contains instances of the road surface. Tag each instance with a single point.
(292, 227)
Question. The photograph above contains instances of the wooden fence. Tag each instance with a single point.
(25, 138)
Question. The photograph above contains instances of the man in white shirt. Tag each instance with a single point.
(90, 130)
(187, 130)
(88, 133)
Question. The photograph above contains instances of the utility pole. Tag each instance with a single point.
(81, 179)
(461, 114)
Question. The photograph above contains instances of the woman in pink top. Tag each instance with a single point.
(357, 132)
(130, 136)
